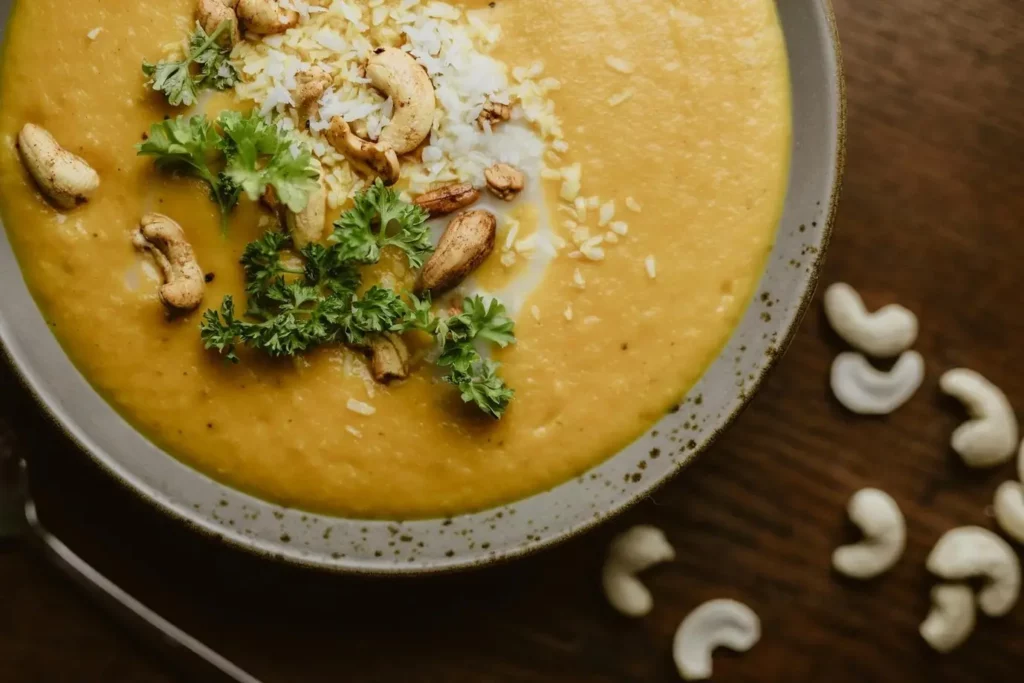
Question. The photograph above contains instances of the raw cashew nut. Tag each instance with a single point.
(399, 76)
(971, 551)
(951, 619)
(466, 243)
(447, 199)
(389, 358)
(1008, 507)
(312, 85)
(184, 284)
(885, 536)
(632, 552)
(716, 623)
(990, 438)
(864, 390)
(62, 176)
(372, 158)
(265, 17)
(887, 332)
(212, 13)
(307, 226)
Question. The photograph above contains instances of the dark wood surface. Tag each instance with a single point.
(932, 216)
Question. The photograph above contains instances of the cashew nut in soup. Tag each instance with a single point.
(371, 158)
(887, 332)
(1008, 508)
(990, 437)
(447, 199)
(716, 623)
(62, 176)
(951, 619)
(312, 85)
(389, 358)
(184, 283)
(972, 551)
(265, 17)
(399, 76)
(865, 390)
(212, 13)
(494, 113)
(632, 552)
(885, 536)
(307, 226)
(505, 181)
(466, 243)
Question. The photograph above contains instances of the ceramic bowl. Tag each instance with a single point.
(471, 540)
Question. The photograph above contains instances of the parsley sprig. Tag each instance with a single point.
(180, 83)
(298, 301)
(237, 153)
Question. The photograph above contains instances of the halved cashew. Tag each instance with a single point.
(1008, 508)
(184, 284)
(716, 623)
(971, 551)
(265, 17)
(389, 358)
(951, 619)
(466, 242)
(632, 552)
(885, 536)
(990, 438)
(399, 76)
(212, 13)
(505, 181)
(887, 332)
(372, 158)
(307, 225)
(62, 176)
(447, 199)
(867, 391)
(312, 85)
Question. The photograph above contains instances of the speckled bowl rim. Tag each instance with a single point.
(360, 561)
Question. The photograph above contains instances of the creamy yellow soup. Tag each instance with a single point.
(697, 134)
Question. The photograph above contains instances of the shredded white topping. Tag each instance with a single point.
(360, 408)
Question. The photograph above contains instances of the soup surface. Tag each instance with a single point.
(676, 110)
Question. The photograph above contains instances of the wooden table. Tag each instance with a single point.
(932, 216)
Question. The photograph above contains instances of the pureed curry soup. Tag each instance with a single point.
(230, 213)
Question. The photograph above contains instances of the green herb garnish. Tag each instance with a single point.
(177, 80)
(380, 219)
(239, 153)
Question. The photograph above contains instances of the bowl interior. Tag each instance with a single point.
(436, 545)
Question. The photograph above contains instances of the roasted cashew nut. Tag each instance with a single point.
(447, 199)
(265, 17)
(389, 358)
(990, 438)
(1008, 508)
(399, 76)
(212, 13)
(307, 226)
(312, 85)
(951, 619)
(864, 390)
(184, 283)
(885, 536)
(466, 243)
(716, 623)
(887, 332)
(372, 158)
(971, 551)
(505, 181)
(65, 178)
(632, 552)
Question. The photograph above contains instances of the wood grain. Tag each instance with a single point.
(931, 215)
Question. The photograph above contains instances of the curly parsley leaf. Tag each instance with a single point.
(176, 79)
(481, 385)
(378, 219)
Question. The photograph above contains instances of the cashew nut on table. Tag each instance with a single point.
(716, 623)
(630, 553)
(990, 437)
(184, 283)
(974, 552)
(951, 619)
(865, 390)
(887, 332)
(885, 536)
(399, 76)
(66, 179)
